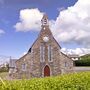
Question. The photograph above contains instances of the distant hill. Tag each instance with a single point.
(85, 57)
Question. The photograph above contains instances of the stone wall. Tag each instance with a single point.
(35, 68)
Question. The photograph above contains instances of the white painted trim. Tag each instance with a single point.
(42, 53)
(50, 52)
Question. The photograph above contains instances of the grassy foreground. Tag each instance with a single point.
(3, 75)
(76, 81)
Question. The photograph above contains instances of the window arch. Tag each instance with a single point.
(46, 71)
(50, 53)
(66, 64)
(23, 67)
(42, 53)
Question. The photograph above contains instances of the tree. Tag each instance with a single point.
(84, 61)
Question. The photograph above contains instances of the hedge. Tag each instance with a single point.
(76, 81)
(82, 63)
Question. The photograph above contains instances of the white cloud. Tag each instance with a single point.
(24, 53)
(1, 32)
(30, 19)
(61, 9)
(71, 25)
(77, 51)
(4, 59)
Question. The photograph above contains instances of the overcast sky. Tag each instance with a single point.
(20, 24)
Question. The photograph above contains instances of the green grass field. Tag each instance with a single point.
(76, 81)
(3, 75)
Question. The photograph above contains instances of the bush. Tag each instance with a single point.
(4, 69)
(77, 81)
(82, 63)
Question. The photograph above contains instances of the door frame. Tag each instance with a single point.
(43, 70)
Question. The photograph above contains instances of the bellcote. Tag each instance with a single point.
(44, 20)
(45, 30)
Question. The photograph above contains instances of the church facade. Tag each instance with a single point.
(44, 58)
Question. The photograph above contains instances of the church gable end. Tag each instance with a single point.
(44, 57)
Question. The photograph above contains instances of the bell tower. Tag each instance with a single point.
(45, 30)
(45, 21)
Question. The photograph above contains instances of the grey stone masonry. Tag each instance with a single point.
(44, 58)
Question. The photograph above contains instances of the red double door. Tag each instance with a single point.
(46, 71)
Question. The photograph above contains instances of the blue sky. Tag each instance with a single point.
(14, 41)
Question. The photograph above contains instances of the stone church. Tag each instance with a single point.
(44, 58)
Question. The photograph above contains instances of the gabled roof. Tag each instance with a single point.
(22, 57)
(44, 17)
(73, 55)
(29, 51)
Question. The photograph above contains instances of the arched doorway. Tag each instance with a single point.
(46, 71)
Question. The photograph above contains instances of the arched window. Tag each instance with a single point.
(42, 53)
(66, 64)
(50, 53)
(24, 67)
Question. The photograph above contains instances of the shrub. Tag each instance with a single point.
(82, 63)
(76, 81)
(4, 69)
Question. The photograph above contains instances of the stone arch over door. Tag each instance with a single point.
(46, 71)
